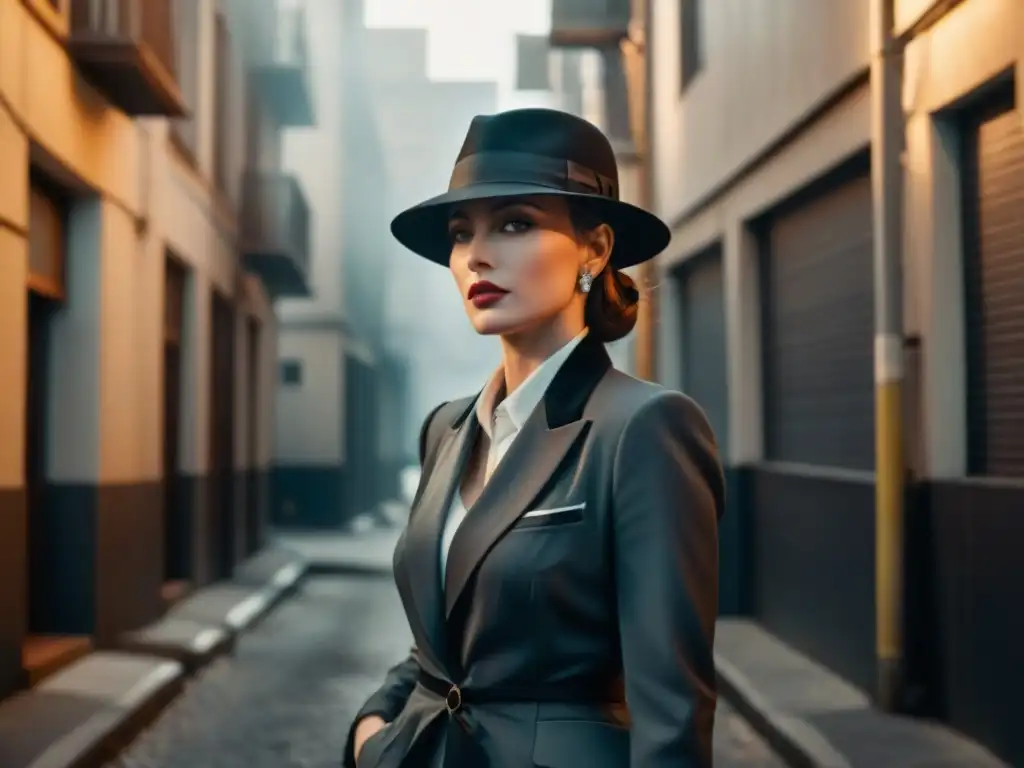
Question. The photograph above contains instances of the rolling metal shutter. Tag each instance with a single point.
(705, 377)
(994, 266)
(817, 297)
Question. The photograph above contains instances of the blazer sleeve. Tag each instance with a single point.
(389, 700)
(668, 494)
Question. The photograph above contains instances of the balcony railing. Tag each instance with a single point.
(589, 23)
(275, 232)
(284, 72)
(126, 49)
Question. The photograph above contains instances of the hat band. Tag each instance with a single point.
(527, 168)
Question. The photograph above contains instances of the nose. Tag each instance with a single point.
(478, 254)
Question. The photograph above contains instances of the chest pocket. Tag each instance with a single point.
(550, 517)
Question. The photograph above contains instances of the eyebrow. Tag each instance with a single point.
(498, 207)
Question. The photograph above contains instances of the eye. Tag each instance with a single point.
(457, 235)
(515, 226)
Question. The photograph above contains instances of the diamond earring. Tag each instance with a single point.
(586, 280)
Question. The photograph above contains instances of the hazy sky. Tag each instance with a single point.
(469, 39)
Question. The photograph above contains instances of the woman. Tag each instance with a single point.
(559, 568)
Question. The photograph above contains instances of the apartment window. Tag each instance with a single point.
(691, 53)
(47, 240)
(291, 373)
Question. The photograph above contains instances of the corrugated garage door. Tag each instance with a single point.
(994, 263)
(704, 343)
(818, 326)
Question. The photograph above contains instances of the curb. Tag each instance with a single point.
(112, 720)
(797, 742)
(326, 568)
(138, 715)
(87, 714)
(248, 614)
(193, 645)
(285, 583)
(159, 695)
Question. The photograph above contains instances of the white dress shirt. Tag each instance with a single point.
(501, 423)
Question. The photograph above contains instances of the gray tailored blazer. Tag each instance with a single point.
(579, 636)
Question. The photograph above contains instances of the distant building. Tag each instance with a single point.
(423, 124)
(372, 351)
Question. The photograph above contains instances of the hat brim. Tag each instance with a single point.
(423, 229)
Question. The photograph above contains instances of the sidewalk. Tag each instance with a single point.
(816, 720)
(368, 551)
(82, 716)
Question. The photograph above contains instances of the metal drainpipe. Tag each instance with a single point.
(887, 139)
(646, 327)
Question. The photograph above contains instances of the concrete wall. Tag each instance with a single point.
(934, 246)
(310, 413)
(696, 167)
(766, 63)
(741, 138)
(763, 73)
(952, 66)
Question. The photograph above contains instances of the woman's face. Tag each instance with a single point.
(517, 262)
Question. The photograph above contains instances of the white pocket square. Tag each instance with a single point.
(553, 511)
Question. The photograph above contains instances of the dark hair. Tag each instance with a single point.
(611, 307)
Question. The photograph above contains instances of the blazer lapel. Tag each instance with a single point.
(420, 575)
(531, 463)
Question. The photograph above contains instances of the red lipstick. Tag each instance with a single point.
(485, 294)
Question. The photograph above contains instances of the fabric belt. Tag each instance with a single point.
(460, 748)
(456, 698)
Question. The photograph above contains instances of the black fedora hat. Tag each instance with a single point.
(534, 152)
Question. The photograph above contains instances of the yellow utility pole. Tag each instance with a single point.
(637, 61)
(887, 135)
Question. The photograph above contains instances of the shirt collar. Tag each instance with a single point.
(520, 404)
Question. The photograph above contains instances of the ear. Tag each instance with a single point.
(600, 242)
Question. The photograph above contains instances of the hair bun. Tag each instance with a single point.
(612, 304)
(627, 287)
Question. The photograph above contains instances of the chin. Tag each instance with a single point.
(491, 328)
(490, 323)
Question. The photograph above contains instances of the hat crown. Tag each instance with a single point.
(534, 152)
(543, 132)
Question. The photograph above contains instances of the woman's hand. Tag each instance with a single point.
(365, 730)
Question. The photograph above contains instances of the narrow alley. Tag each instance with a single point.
(287, 695)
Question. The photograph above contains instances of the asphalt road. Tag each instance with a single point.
(286, 697)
